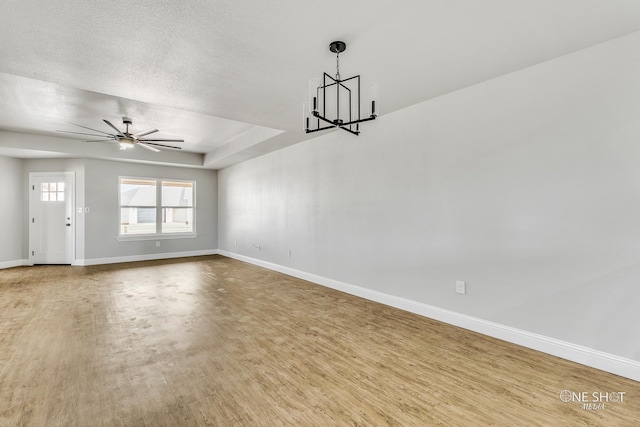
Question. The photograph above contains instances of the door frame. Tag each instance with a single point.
(71, 176)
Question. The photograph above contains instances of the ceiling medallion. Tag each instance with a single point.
(336, 101)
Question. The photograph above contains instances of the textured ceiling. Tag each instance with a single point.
(229, 77)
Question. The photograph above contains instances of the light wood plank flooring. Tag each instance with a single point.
(213, 341)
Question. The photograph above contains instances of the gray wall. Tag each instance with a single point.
(102, 200)
(527, 187)
(97, 189)
(12, 213)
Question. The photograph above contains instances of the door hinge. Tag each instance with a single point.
(33, 253)
(33, 220)
(33, 187)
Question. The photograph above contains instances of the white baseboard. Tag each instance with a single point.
(576, 353)
(14, 263)
(145, 257)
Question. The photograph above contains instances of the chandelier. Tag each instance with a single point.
(335, 102)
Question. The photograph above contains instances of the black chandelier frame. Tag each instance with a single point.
(329, 82)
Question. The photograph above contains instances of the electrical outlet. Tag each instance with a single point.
(461, 287)
(157, 244)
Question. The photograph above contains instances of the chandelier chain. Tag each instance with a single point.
(338, 66)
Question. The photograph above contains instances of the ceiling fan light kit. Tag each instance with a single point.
(126, 139)
(337, 101)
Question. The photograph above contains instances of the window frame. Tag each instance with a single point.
(159, 208)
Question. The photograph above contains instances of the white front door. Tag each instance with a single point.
(51, 219)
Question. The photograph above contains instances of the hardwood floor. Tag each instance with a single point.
(213, 341)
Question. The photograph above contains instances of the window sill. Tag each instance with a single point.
(157, 237)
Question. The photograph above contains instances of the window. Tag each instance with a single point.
(52, 192)
(156, 207)
(177, 207)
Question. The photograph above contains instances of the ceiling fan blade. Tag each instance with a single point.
(146, 132)
(83, 133)
(162, 140)
(148, 147)
(95, 130)
(160, 145)
(112, 126)
(101, 140)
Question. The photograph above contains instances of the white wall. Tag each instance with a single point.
(527, 187)
(12, 189)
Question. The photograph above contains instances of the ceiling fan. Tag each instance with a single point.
(127, 139)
